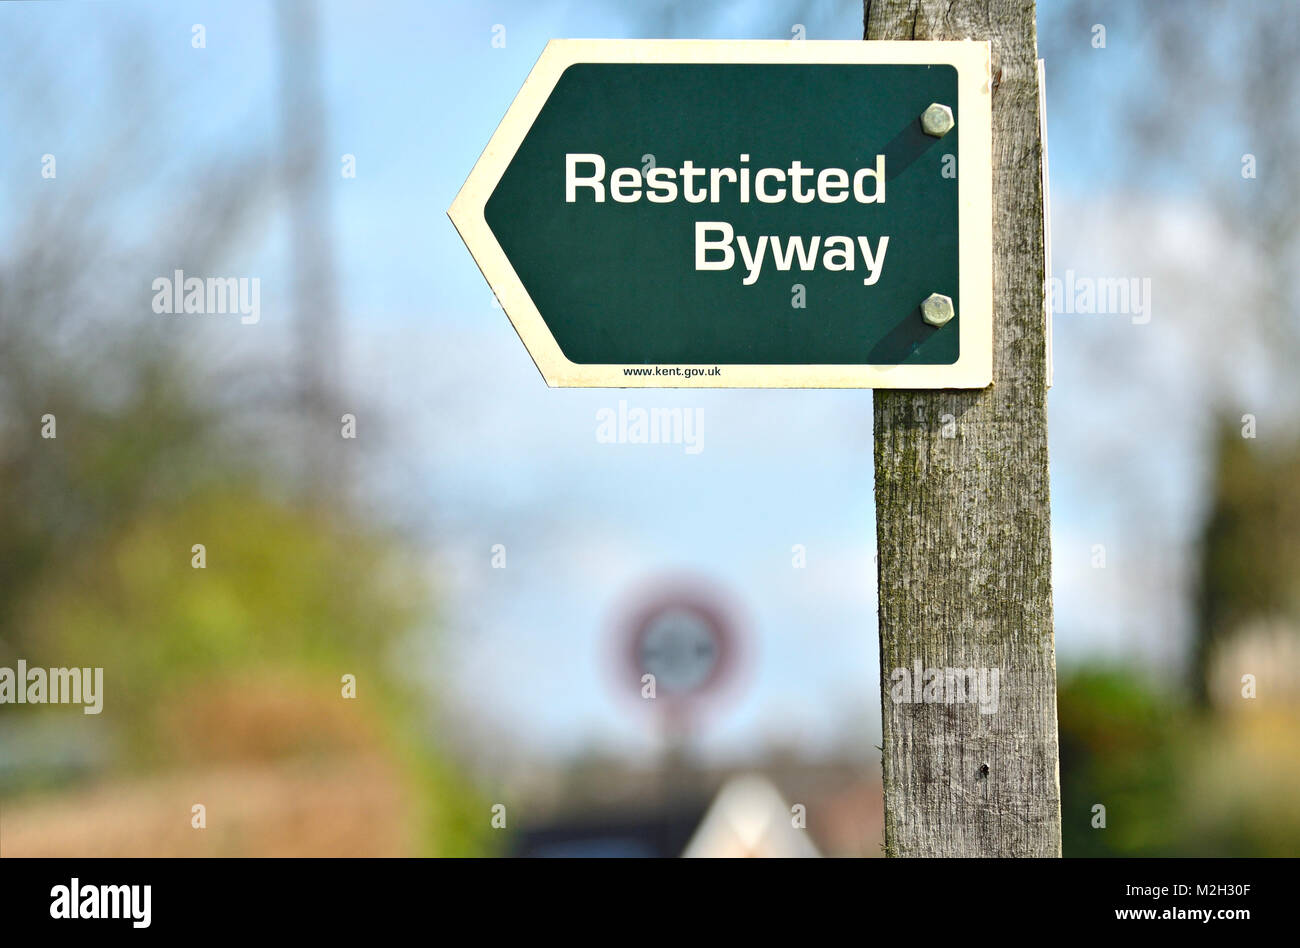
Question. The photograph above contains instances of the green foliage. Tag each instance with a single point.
(243, 659)
(281, 587)
(1122, 746)
(1250, 550)
(236, 663)
(1175, 780)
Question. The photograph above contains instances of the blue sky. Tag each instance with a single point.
(477, 451)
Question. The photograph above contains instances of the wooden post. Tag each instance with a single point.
(963, 515)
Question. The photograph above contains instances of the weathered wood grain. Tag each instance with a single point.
(963, 523)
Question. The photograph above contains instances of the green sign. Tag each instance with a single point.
(743, 214)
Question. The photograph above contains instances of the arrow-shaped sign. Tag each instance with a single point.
(682, 213)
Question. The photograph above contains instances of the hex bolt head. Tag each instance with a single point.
(937, 309)
(937, 120)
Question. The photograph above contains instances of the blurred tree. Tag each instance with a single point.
(242, 661)
(1180, 170)
(1250, 550)
(171, 432)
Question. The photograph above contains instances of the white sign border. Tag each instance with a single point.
(974, 367)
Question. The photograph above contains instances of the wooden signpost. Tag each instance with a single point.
(676, 213)
(963, 523)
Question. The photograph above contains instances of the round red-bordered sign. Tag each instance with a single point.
(685, 634)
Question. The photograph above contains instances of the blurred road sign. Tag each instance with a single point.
(683, 213)
(681, 648)
(750, 819)
(684, 635)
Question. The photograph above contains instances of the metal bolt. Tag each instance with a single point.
(937, 120)
(937, 309)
